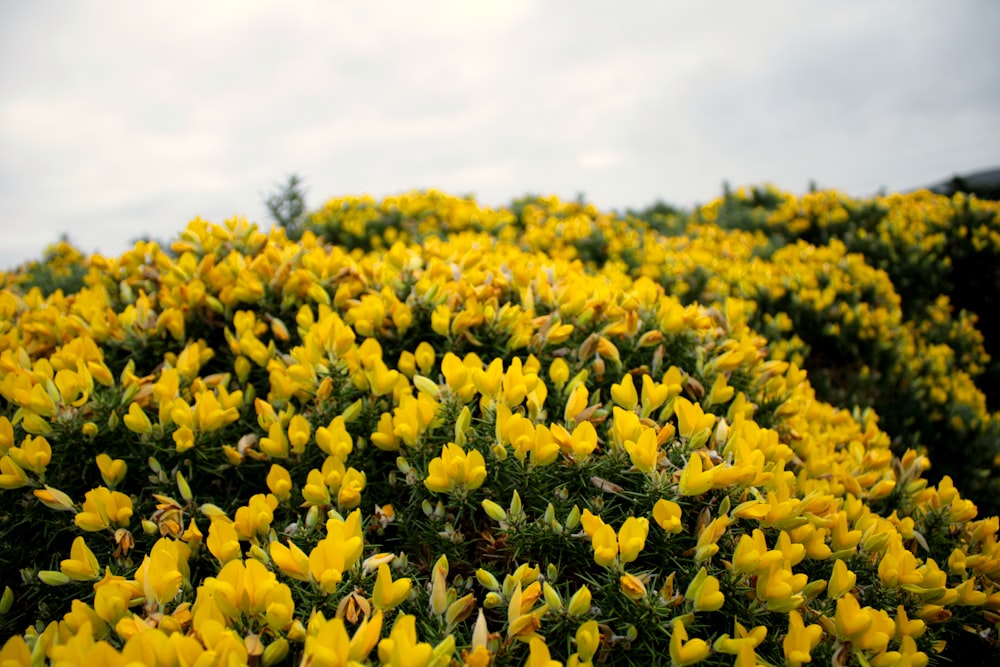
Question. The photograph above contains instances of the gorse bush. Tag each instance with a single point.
(539, 435)
(798, 263)
(907, 342)
(61, 268)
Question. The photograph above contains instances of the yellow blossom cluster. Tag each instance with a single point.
(877, 297)
(453, 441)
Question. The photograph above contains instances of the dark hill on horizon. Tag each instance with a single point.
(985, 184)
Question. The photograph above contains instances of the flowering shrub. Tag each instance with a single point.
(839, 314)
(461, 436)
(892, 341)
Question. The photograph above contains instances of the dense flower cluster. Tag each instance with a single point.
(876, 298)
(929, 373)
(463, 436)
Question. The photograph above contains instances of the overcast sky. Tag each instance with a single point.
(120, 119)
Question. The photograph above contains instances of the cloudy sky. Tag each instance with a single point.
(121, 119)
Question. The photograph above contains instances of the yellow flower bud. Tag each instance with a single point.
(579, 603)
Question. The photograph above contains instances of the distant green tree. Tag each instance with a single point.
(62, 267)
(287, 206)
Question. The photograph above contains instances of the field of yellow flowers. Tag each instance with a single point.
(434, 433)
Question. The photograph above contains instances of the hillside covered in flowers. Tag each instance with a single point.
(428, 432)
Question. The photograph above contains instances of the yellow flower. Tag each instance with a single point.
(103, 508)
(605, 544)
(41, 402)
(456, 469)
(183, 439)
(684, 651)
(351, 487)
(112, 597)
(439, 585)
(691, 419)
(780, 588)
(388, 593)
(82, 649)
(841, 581)
(458, 376)
(381, 379)
(632, 586)
(576, 403)
(800, 640)
(583, 440)
(748, 553)
(316, 492)
(12, 476)
(36, 425)
(721, 392)
(707, 545)
(112, 470)
(15, 652)
(477, 656)
(299, 432)
(742, 640)
(539, 655)
(624, 393)
(667, 515)
(489, 380)
(275, 443)
(559, 372)
(591, 522)
(441, 320)
(54, 498)
(327, 644)
(279, 482)
(160, 575)
(223, 541)
(841, 538)
(906, 627)
(366, 636)
(137, 421)
(704, 592)
(851, 621)
(249, 590)
(588, 640)
(253, 520)
(694, 480)
(35, 453)
(291, 560)
(906, 655)
(517, 383)
(7, 434)
(967, 596)
(192, 535)
(424, 356)
(338, 551)
(522, 621)
(401, 648)
(653, 395)
(644, 453)
(81, 565)
(334, 439)
(209, 414)
(632, 538)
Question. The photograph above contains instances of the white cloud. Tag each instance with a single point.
(598, 160)
(119, 120)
